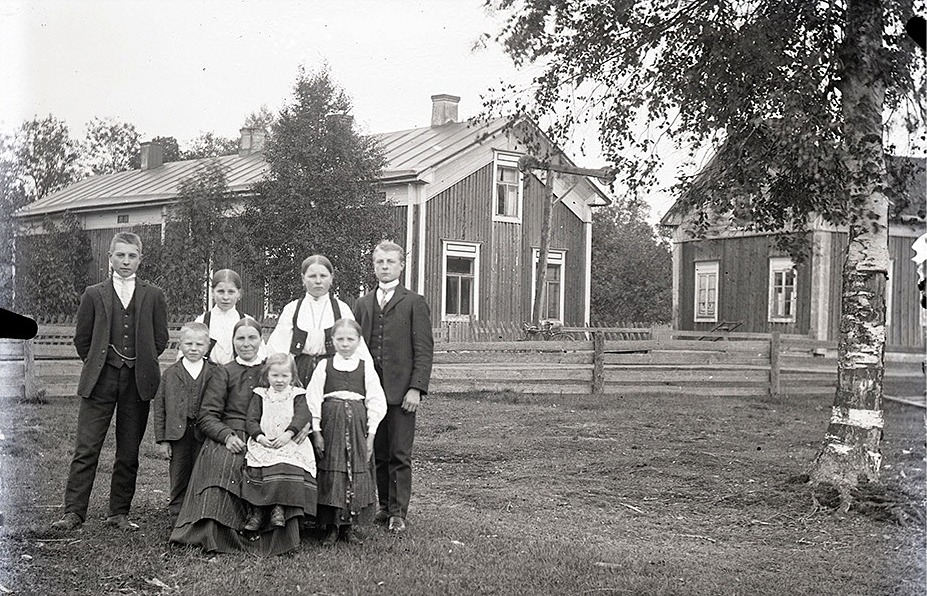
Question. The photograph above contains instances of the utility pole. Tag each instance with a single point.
(528, 162)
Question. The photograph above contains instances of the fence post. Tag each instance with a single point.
(598, 362)
(30, 387)
(775, 343)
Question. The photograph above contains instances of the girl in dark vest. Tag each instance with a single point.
(304, 326)
(347, 404)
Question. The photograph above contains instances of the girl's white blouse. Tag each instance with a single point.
(315, 316)
(374, 401)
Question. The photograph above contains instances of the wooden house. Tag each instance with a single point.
(732, 279)
(470, 220)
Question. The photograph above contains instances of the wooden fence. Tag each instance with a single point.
(654, 360)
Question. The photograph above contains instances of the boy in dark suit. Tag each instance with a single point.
(176, 406)
(396, 324)
(120, 332)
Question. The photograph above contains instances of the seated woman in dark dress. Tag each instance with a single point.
(213, 512)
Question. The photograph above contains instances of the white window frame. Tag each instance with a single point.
(781, 265)
(554, 257)
(706, 269)
(507, 160)
(471, 250)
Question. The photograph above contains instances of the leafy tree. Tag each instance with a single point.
(320, 195)
(632, 268)
(197, 228)
(110, 147)
(46, 155)
(170, 147)
(792, 95)
(54, 268)
(262, 118)
(210, 144)
(13, 195)
(38, 158)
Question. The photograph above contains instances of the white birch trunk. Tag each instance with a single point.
(850, 450)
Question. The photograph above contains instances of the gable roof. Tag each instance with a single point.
(409, 154)
(907, 174)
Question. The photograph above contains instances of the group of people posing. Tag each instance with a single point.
(316, 425)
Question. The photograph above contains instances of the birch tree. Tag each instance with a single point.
(791, 94)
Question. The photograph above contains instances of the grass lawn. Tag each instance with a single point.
(651, 495)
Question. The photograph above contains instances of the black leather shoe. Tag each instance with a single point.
(277, 518)
(347, 534)
(331, 537)
(122, 522)
(382, 516)
(254, 521)
(397, 525)
(68, 522)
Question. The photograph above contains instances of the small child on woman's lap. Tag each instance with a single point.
(279, 471)
(347, 405)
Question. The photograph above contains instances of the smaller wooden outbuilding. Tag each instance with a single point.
(736, 279)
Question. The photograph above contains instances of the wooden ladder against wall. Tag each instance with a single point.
(723, 326)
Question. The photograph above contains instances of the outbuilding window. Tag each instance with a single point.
(706, 292)
(783, 288)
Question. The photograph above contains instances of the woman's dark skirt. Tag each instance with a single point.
(347, 484)
(213, 511)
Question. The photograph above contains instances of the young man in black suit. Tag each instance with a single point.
(396, 324)
(120, 332)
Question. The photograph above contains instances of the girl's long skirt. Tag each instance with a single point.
(347, 483)
(213, 511)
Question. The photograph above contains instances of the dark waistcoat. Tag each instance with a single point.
(122, 333)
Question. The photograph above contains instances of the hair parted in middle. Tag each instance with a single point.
(316, 260)
(276, 360)
(349, 323)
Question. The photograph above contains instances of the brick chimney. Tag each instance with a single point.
(152, 155)
(252, 141)
(443, 109)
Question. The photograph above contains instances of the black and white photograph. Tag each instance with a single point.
(408, 297)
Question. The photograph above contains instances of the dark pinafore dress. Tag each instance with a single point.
(346, 481)
(306, 363)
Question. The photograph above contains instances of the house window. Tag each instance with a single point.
(706, 292)
(461, 281)
(552, 308)
(783, 290)
(123, 218)
(507, 191)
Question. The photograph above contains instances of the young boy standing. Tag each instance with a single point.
(176, 406)
(120, 332)
(396, 324)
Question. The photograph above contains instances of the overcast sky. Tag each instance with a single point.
(180, 68)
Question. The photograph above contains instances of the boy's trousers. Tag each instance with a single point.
(392, 448)
(184, 452)
(117, 392)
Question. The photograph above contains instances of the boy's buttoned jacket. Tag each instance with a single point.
(91, 334)
(171, 404)
(407, 343)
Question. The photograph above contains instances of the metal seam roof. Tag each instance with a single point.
(408, 153)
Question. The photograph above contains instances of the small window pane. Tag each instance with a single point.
(460, 265)
(466, 294)
(453, 293)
